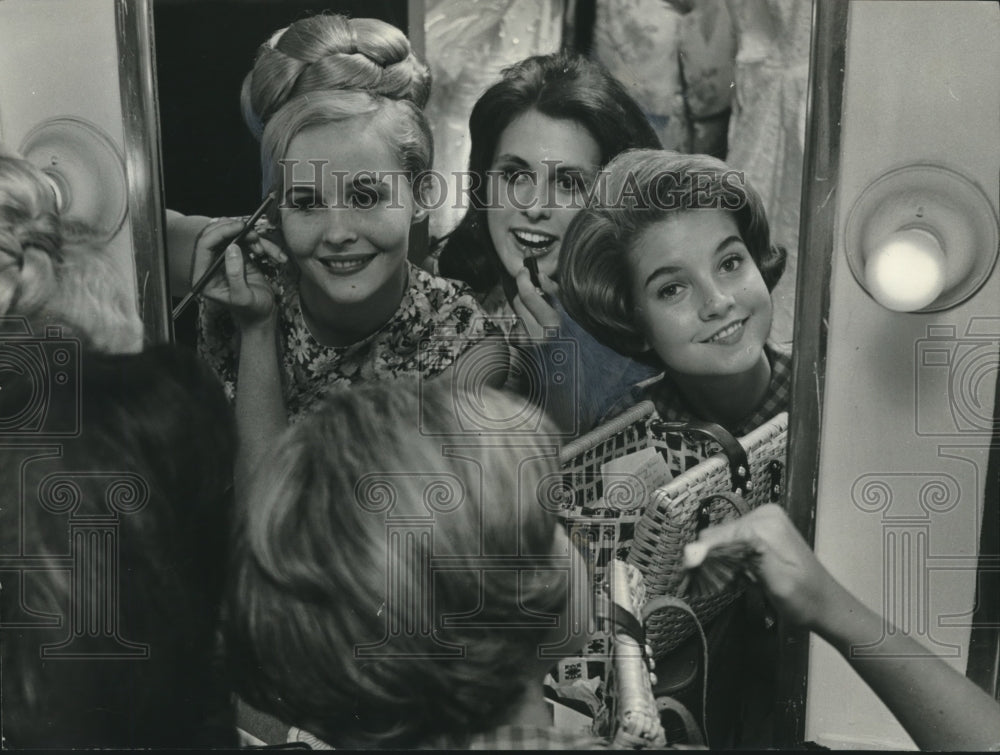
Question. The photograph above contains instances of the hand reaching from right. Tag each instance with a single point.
(938, 706)
(799, 587)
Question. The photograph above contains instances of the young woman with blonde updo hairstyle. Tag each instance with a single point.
(51, 271)
(323, 53)
(328, 297)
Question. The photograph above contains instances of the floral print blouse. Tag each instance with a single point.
(437, 320)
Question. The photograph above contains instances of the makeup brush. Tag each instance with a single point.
(710, 569)
(215, 264)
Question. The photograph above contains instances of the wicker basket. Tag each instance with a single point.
(607, 532)
(698, 497)
(608, 529)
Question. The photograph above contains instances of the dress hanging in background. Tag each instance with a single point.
(467, 46)
(768, 123)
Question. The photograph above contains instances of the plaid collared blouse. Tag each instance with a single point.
(671, 407)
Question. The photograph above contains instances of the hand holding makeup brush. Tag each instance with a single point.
(767, 546)
(239, 284)
(938, 706)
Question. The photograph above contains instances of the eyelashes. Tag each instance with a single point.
(567, 180)
(359, 196)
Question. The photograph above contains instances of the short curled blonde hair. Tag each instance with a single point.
(316, 577)
(332, 52)
(51, 272)
(643, 187)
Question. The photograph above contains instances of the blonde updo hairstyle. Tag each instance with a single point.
(332, 52)
(402, 126)
(52, 272)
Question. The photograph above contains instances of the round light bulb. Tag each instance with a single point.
(906, 272)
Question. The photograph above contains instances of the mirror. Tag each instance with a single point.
(678, 58)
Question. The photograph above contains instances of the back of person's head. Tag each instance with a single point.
(360, 548)
(644, 187)
(402, 126)
(561, 86)
(327, 53)
(146, 482)
(51, 271)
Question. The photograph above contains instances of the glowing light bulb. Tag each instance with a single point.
(906, 272)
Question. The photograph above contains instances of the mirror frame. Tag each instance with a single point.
(141, 128)
(142, 148)
(816, 250)
(817, 230)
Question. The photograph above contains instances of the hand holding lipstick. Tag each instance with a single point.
(536, 293)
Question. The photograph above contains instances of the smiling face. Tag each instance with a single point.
(542, 163)
(700, 301)
(349, 235)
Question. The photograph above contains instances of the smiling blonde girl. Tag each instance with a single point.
(677, 267)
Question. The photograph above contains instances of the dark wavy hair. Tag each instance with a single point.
(562, 86)
(153, 455)
(651, 184)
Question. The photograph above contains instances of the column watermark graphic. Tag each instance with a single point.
(42, 404)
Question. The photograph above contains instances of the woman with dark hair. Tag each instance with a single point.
(677, 265)
(540, 137)
(559, 87)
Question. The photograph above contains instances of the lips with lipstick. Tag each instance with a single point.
(534, 243)
(729, 334)
(346, 264)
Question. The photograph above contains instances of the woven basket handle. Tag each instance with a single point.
(663, 602)
(694, 737)
(736, 501)
(739, 466)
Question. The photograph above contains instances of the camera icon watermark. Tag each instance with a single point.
(543, 373)
(37, 371)
(964, 369)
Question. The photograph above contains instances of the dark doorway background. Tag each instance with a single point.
(204, 48)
